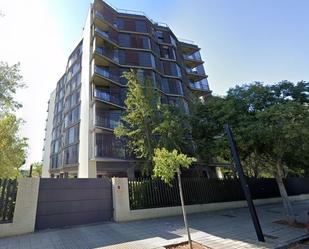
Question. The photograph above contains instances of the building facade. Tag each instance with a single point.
(89, 97)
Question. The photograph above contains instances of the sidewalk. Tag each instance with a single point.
(217, 230)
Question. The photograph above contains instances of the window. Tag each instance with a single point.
(146, 42)
(124, 40)
(70, 155)
(146, 59)
(71, 135)
(141, 26)
(55, 146)
(175, 70)
(55, 161)
(173, 41)
(71, 117)
(165, 52)
(160, 36)
(118, 23)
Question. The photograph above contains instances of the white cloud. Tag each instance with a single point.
(29, 36)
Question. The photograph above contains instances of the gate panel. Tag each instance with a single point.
(67, 202)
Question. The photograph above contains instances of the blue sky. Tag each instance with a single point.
(241, 41)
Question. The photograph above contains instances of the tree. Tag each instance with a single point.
(36, 169)
(166, 165)
(10, 81)
(12, 147)
(270, 126)
(140, 118)
(148, 124)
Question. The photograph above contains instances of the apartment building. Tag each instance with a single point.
(89, 98)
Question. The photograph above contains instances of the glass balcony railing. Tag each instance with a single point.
(103, 33)
(105, 95)
(197, 70)
(195, 56)
(200, 85)
(106, 74)
(98, 14)
(109, 146)
(107, 122)
(111, 54)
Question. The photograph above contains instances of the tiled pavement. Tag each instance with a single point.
(225, 229)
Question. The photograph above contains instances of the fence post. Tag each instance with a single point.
(121, 202)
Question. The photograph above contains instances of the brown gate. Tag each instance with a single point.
(67, 202)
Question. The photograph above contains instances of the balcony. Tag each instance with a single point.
(188, 47)
(201, 85)
(193, 60)
(108, 146)
(104, 72)
(110, 54)
(196, 74)
(107, 118)
(114, 96)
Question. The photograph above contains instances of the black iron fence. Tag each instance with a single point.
(8, 191)
(153, 193)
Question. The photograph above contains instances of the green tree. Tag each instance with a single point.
(12, 147)
(10, 81)
(140, 118)
(270, 126)
(37, 169)
(166, 165)
(148, 124)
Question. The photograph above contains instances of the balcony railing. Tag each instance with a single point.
(103, 33)
(109, 146)
(106, 74)
(107, 122)
(197, 70)
(111, 54)
(195, 56)
(200, 85)
(105, 95)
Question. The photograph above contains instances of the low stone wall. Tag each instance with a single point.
(122, 210)
(25, 209)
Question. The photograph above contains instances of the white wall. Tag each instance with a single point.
(122, 210)
(25, 208)
(85, 141)
(48, 135)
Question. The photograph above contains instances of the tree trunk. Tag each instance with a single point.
(285, 198)
(183, 208)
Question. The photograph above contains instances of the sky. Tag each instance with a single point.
(241, 41)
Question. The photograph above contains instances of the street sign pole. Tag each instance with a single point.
(244, 183)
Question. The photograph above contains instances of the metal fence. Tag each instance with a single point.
(153, 193)
(8, 191)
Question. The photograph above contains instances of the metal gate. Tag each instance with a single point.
(67, 202)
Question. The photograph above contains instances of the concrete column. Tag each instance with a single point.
(121, 199)
(25, 208)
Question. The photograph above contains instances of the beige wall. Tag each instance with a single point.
(25, 208)
(122, 210)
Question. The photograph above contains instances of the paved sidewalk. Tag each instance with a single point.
(225, 229)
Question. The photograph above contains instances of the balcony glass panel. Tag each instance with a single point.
(195, 56)
(115, 96)
(107, 145)
(111, 54)
(197, 70)
(201, 85)
(109, 119)
(103, 33)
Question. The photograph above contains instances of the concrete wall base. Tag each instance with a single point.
(25, 209)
